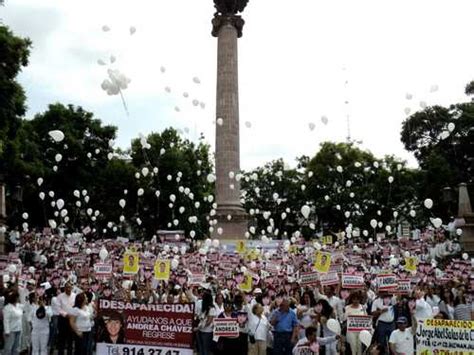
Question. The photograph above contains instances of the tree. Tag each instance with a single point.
(469, 88)
(273, 198)
(14, 52)
(442, 140)
(172, 173)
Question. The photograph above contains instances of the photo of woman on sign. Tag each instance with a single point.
(112, 329)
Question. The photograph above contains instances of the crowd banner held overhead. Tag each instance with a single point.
(103, 270)
(326, 240)
(359, 323)
(131, 263)
(331, 278)
(162, 270)
(387, 282)
(226, 328)
(322, 262)
(246, 284)
(352, 281)
(440, 336)
(309, 278)
(129, 328)
(404, 287)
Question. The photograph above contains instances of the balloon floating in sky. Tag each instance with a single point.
(324, 120)
(196, 80)
(312, 126)
(132, 30)
(428, 203)
(57, 135)
(434, 88)
(105, 28)
(248, 124)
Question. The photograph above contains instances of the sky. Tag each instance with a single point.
(299, 60)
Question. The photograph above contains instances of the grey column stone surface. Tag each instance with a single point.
(466, 217)
(231, 216)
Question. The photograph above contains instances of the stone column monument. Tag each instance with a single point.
(3, 216)
(227, 27)
(466, 220)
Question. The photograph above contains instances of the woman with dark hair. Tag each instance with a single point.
(12, 323)
(326, 338)
(111, 329)
(446, 305)
(355, 308)
(81, 324)
(462, 310)
(206, 315)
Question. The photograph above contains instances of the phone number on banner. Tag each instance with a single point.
(114, 349)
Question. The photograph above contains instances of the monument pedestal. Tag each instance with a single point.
(466, 217)
(233, 228)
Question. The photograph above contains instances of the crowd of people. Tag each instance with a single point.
(50, 292)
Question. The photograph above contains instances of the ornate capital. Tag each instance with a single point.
(230, 7)
(220, 20)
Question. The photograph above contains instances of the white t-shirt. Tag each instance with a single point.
(403, 341)
(12, 318)
(203, 319)
(258, 327)
(423, 310)
(388, 316)
(83, 318)
(40, 326)
(65, 303)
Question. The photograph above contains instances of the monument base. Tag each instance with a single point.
(233, 228)
(467, 238)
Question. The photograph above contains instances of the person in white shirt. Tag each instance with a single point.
(65, 304)
(81, 323)
(422, 309)
(258, 331)
(40, 316)
(12, 323)
(402, 340)
(382, 309)
(206, 313)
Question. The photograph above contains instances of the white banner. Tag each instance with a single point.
(445, 337)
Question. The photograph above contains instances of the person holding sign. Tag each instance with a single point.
(285, 326)
(206, 313)
(323, 261)
(355, 308)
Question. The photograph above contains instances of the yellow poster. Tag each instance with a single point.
(293, 249)
(410, 264)
(322, 262)
(162, 270)
(327, 239)
(240, 247)
(131, 263)
(246, 285)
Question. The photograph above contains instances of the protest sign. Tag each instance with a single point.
(440, 336)
(240, 247)
(131, 263)
(359, 323)
(246, 284)
(326, 239)
(352, 281)
(103, 270)
(196, 279)
(309, 278)
(322, 262)
(131, 327)
(162, 270)
(226, 327)
(410, 264)
(404, 287)
(331, 278)
(387, 282)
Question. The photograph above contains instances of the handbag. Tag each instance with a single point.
(252, 337)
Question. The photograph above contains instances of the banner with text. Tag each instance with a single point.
(440, 336)
(133, 326)
(359, 323)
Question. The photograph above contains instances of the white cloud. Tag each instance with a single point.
(292, 57)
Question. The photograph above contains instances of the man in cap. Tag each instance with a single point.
(402, 339)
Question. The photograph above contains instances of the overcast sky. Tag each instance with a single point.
(295, 58)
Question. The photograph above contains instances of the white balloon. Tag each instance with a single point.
(42, 195)
(52, 223)
(305, 211)
(324, 120)
(11, 268)
(25, 215)
(451, 126)
(388, 229)
(57, 135)
(339, 169)
(312, 126)
(465, 256)
(428, 203)
(248, 124)
(437, 222)
(365, 233)
(334, 326)
(132, 30)
(412, 213)
(39, 181)
(211, 178)
(395, 214)
(459, 231)
(86, 199)
(105, 28)
(365, 337)
(122, 218)
(347, 214)
(58, 157)
(390, 179)
(140, 192)
(122, 203)
(77, 193)
(373, 223)
(220, 121)
(64, 213)
(60, 204)
(103, 254)
(145, 171)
